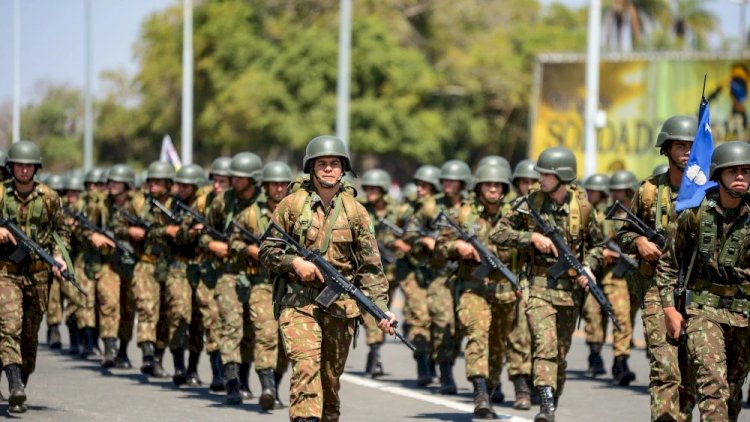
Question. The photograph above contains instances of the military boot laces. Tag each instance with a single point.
(217, 377)
(54, 340)
(374, 367)
(122, 361)
(447, 384)
(278, 404)
(424, 375)
(268, 389)
(245, 382)
(147, 368)
(547, 407)
(231, 374)
(523, 392)
(17, 397)
(110, 352)
(621, 372)
(159, 371)
(482, 405)
(180, 374)
(596, 364)
(193, 380)
(75, 347)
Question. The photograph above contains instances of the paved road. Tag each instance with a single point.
(67, 389)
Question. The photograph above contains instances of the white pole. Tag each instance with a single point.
(88, 124)
(592, 86)
(187, 82)
(342, 86)
(16, 70)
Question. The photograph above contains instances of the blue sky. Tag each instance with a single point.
(52, 36)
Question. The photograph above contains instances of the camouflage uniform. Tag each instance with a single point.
(671, 384)
(317, 340)
(712, 240)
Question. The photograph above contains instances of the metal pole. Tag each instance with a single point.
(16, 70)
(88, 124)
(743, 32)
(187, 82)
(592, 86)
(342, 86)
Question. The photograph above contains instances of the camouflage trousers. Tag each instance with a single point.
(149, 301)
(54, 303)
(373, 334)
(551, 329)
(209, 316)
(624, 306)
(108, 301)
(486, 325)
(416, 313)
(443, 321)
(86, 311)
(127, 309)
(519, 343)
(179, 301)
(267, 353)
(70, 298)
(711, 346)
(317, 345)
(671, 384)
(236, 333)
(23, 302)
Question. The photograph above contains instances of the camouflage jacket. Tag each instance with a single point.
(720, 265)
(351, 247)
(424, 215)
(255, 219)
(185, 244)
(155, 244)
(92, 205)
(383, 235)
(220, 213)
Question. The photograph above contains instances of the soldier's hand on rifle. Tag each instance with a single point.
(196, 229)
(100, 241)
(307, 272)
(583, 281)
(172, 230)
(220, 249)
(466, 250)
(253, 251)
(136, 233)
(647, 249)
(428, 242)
(402, 246)
(63, 266)
(543, 244)
(610, 256)
(675, 322)
(6, 236)
(387, 324)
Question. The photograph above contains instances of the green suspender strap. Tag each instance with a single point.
(63, 252)
(329, 230)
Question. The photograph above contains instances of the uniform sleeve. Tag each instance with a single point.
(511, 231)
(213, 216)
(57, 218)
(121, 225)
(273, 255)
(628, 234)
(369, 273)
(667, 268)
(237, 243)
(594, 256)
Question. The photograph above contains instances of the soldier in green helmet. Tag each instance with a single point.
(73, 189)
(671, 385)
(524, 176)
(54, 308)
(37, 210)
(709, 250)
(68, 294)
(317, 343)
(553, 305)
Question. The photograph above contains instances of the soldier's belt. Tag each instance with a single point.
(540, 271)
(148, 259)
(12, 268)
(179, 264)
(548, 283)
(491, 288)
(697, 299)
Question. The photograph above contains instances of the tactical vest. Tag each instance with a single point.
(38, 210)
(661, 193)
(580, 210)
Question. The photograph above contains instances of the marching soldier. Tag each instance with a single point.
(73, 190)
(54, 308)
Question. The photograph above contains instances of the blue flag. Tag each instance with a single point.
(695, 181)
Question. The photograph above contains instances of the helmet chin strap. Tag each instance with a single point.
(732, 192)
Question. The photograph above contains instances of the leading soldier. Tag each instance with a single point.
(323, 215)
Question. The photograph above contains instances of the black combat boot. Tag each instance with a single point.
(122, 361)
(268, 389)
(523, 393)
(310, 419)
(147, 348)
(447, 384)
(193, 380)
(596, 364)
(110, 352)
(180, 374)
(482, 405)
(17, 397)
(374, 367)
(245, 381)
(496, 393)
(217, 377)
(547, 408)
(75, 347)
(159, 371)
(278, 404)
(88, 340)
(231, 374)
(54, 340)
(424, 375)
(620, 371)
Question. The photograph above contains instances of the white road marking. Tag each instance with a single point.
(417, 395)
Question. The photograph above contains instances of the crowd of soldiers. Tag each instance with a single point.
(189, 254)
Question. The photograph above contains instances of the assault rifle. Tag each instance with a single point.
(134, 220)
(489, 262)
(26, 245)
(624, 264)
(657, 237)
(123, 247)
(335, 283)
(567, 259)
(208, 229)
(164, 210)
(395, 229)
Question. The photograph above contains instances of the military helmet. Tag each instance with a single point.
(409, 191)
(122, 173)
(276, 171)
(378, 178)
(428, 174)
(597, 182)
(56, 182)
(24, 152)
(74, 182)
(729, 154)
(326, 146)
(525, 168)
(661, 168)
(559, 161)
(455, 170)
(160, 170)
(191, 174)
(95, 175)
(496, 173)
(495, 160)
(623, 179)
(677, 128)
(220, 167)
(246, 164)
